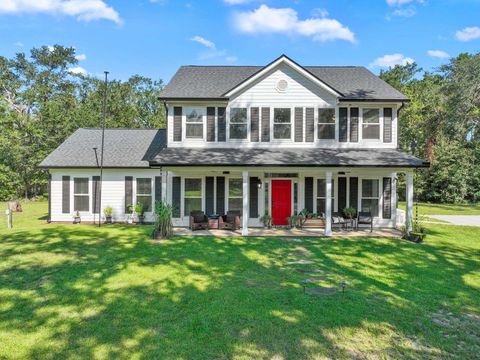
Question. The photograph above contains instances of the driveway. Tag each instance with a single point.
(466, 220)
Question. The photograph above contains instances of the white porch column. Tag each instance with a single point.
(328, 205)
(409, 213)
(245, 203)
(164, 186)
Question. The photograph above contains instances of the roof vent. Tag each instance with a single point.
(282, 85)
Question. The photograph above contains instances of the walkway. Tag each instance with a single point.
(464, 220)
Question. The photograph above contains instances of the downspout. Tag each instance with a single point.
(166, 118)
(398, 124)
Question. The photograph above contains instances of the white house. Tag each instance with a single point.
(277, 138)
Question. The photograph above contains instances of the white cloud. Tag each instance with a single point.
(398, 2)
(84, 10)
(50, 48)
(237, 2)
(438, 54)
(286, 21)
(231, 59)
(77, 70)
(408, 12)
(81, 57)
(320, 12)
(391, 60)
(19, 44)
(201, 40)
(468, 34)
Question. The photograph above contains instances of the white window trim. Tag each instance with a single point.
(151, 192)
(186, 110)
(227, 186)
(89, 186)
(247, 138)
(380, 121)
(183, 197)
(317, 123)
(272, 124)
(334, 193)
(379, 197)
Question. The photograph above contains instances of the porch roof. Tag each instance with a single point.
(301, 157)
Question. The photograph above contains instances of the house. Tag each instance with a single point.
(277, 138)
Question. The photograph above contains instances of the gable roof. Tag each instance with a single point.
(354, 83)
(124, 148)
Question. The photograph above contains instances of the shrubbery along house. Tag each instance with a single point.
(273, 139)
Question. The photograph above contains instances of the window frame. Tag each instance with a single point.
(317, 197)
(274, 123)
(201, 111)
(240, 180)
(363, 197)
(185, 197)
(332, 124)
(87, 194)
(137, 194)
(232, 123)
(377, 124)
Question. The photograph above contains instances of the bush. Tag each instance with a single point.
(163, 221)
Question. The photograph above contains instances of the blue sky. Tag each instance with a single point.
(153, 38)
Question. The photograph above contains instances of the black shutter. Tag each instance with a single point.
(309, 193)
(354, 193)
(298, 124)
(177, 123)
(66, 194)
(343, 124)
(387, 198)
(176, 196)
(265, 124)
(309, 124)
(158, 189)
(222, 124)
(342, 193)
(254, 124)
(220, 195)
(128, 193)
(253, 210)
(353, 124)
(96, 194)
(210, 124)
(387, 125)
(209, 195)
(49, 197)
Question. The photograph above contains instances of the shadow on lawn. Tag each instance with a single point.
(115, 293)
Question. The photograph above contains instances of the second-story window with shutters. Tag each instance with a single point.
(371, 124)
(282, 123)
(238, 123)
(326, 124)
(194, 123)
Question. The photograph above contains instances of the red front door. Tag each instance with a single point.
(281, 201)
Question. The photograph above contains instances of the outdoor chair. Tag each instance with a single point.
(365, 217)
(198, 220)
(231, 221)
(338, 219)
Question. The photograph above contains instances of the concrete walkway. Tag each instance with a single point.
(464, 220)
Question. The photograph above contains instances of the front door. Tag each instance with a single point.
(281, 201)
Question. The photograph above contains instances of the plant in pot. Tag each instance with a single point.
(294, 221)
(416, 235)
(349, 212)
(108, 211)
(266, 219)
(76, 217)
(140, 211)
(131, 209)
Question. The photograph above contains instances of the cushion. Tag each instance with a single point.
(231, 217)
(337, 219)
(198, 217)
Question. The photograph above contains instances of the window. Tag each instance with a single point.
(371, 124)
(235, 195)
(322, 195)
(144, 193)
(192, 196)
(326, 124)
(282, 124)
(267, 198)
(238, 123)
(80, 194)
(194, 124)
(370, 196)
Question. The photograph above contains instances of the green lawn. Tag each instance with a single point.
(72, 292)
(445, 209)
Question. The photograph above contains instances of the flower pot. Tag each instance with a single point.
(141, 219)
(76, 220)
(314, 223)
(108, 219)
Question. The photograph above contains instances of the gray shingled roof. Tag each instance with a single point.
(286, 157)
(123, 148)
(203, 82)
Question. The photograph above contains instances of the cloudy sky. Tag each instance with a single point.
(155, 37)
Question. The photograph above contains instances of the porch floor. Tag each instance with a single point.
(312, 232)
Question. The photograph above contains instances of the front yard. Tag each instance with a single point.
(71, 291)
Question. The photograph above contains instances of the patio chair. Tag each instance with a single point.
(338, 219)
(198, 220)
(230, 221)
(365, 217)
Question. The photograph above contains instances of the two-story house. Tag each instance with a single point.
(277, 138)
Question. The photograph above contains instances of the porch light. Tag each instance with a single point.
(259, 183)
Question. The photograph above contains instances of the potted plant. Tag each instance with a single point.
(295, 221)
(129, 218)
(310, 219)
(76, 217)
(108, 211)
(140, 211)
(266, 219)
(416, 235)
(349, 212)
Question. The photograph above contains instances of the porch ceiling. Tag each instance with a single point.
(312, 157)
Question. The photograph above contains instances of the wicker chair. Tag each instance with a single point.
(198, 220)
(365, 217)
(231, 221)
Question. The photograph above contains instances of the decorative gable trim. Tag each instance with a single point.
(286, 60)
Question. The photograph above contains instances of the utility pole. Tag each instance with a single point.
(102, 149)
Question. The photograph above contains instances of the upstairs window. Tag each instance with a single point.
(326, 124)
(282, 123)
(371, 124)
(194, 123)
(144, 193)
(80, 194)
(370, 196)
(238, 123)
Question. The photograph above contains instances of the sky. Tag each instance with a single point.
(154, 37)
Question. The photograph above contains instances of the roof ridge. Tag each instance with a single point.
(125, 128)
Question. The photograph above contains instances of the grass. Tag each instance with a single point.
(71, 292)
(445, 209)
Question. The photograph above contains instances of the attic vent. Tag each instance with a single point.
(282, 85)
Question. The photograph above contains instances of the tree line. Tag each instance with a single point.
(42, 102)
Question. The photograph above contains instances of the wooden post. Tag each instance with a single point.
(9, 218)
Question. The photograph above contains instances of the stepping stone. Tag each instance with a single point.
(314, 279)
(299, 254)
(320, 291)
(300, 262)
(306, 271)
